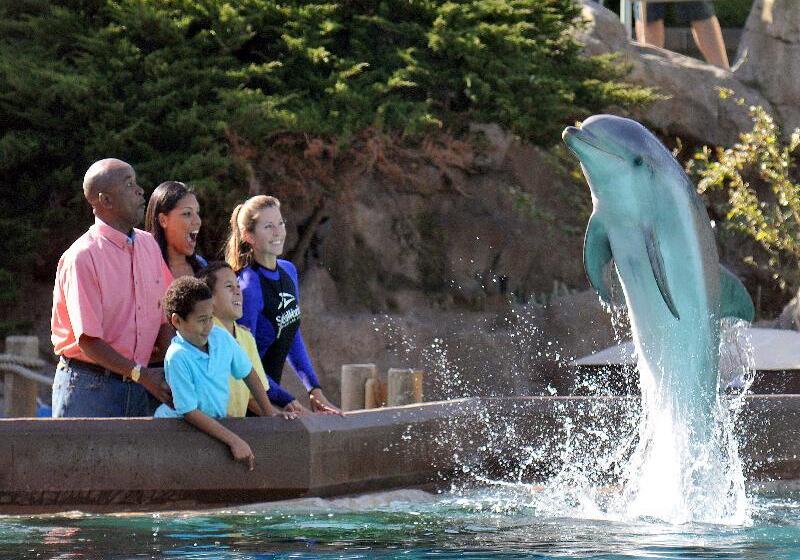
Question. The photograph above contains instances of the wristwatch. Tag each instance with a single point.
(135, 373)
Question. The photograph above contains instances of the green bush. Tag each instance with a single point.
(190, 89)
(733, 13)
(758, 176)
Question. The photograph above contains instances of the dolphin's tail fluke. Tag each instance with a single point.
(734, 299)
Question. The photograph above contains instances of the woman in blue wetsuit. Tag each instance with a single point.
(270, 307)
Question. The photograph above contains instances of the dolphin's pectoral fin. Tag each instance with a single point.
(657, 264)
(734, 299)
(596, 255)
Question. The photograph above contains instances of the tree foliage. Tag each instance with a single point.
(175, 86)
(758, 175)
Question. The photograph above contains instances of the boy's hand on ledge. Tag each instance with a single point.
(297, 409)
(152, 379)
(321, 404)
(242, 453)
(285, 413)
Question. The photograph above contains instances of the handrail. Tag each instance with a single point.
(26, 361)
(26, 373)
(20, 365)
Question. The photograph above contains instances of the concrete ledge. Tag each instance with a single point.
(147, 464)
(119, 464)
(770, 427)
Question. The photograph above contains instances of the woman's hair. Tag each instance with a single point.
(209, 273)
(239, 253)
(163, 201)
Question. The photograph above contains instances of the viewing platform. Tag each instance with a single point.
(109, 465)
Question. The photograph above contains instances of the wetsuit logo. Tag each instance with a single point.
(285, 319)
(289, 315)
(286, 300)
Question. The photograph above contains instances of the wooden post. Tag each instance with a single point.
(354, 377)
(20, 393)
(405, 386)
(374, 393)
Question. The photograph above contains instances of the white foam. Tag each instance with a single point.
(363, 502)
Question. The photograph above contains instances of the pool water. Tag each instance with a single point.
(488, 522)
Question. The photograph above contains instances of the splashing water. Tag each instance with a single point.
(617, 459)
(647, 463)
(679, 472)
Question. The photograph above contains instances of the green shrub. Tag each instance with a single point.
(758, 176)
(733, 13)
(193, 89)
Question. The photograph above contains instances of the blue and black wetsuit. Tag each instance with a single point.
(271, 311)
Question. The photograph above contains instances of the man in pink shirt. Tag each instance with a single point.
(107, 317)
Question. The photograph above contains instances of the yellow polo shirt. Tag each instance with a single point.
(240, 394)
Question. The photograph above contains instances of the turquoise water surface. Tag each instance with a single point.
(489, 522)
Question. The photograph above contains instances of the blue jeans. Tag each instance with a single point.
(82, 393)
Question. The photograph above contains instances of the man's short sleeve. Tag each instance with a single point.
(181, 381)
(83, 297)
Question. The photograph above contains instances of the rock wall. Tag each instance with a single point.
(770, 57)
(477, 279)
(692, 108)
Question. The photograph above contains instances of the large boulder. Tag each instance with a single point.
(603, 32)
(770, 56)
(692, 108)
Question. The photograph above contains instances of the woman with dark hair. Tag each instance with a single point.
(173, 218)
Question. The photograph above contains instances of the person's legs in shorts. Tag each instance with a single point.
(700, 15)
(706, 31)
(650, 32)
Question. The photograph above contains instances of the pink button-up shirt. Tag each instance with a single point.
(110, 287)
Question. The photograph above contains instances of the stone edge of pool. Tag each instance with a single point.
(107, 465)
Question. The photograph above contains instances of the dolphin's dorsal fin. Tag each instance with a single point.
(596, 255)
(734, 299)
(657, 265)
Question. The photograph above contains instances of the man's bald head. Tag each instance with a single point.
(110, 187)
(103, 176)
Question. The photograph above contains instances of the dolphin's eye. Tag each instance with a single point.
(637, 161)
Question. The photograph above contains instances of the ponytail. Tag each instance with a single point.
(235, 248)
(238, 252)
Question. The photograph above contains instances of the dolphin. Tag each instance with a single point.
(648, 218)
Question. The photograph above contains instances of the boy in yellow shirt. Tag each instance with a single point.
(227, 305)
